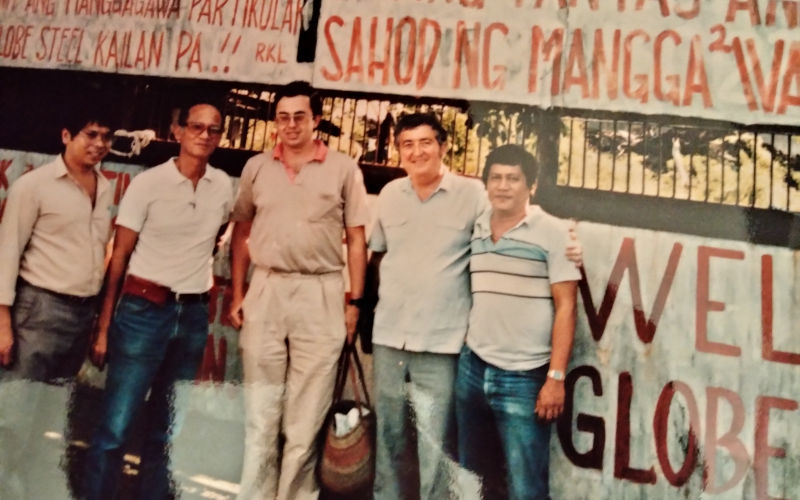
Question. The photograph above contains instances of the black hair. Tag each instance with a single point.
(184, 114)
(83, 114)
(298, 88)
(512, 154)
(415, 120)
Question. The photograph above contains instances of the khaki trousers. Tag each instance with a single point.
(291, 339)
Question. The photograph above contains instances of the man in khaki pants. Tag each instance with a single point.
(294, 202)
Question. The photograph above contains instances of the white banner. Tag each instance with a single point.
(735, 60)
(237, 40)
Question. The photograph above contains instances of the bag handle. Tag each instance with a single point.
(342, 367)
(347, 359)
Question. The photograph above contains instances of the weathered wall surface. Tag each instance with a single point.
(684, 379)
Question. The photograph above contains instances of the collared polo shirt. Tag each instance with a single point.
(52, 236)
(177, 225)
(298, 225)
(511, 322)
(424, 296)
(320, 150)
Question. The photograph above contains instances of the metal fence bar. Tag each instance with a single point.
(660, 162)
(341, 124)
(755, 171)
(452, 146)
(267, 114)
(583, 164)
(365, 134)
(771, 168)
(614, 156)
(722, 173)
(738, 165)
(599, 138)
(644, 146)
(674, 176)
(788, 170)
(689, 173)
(354, 106)
(708, 170)
(628, 172)
(569, 153)
(467, 142)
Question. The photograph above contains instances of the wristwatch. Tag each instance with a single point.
(556, 375)
(359, 302)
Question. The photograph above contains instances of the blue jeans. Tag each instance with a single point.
(430, 396)
(497, 428)
(150, 348)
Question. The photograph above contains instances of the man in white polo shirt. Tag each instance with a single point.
(167, 228)
(510, 381)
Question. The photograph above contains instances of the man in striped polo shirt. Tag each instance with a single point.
(510, 380)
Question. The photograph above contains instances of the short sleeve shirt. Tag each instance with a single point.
(177, 225)
(298, 224)
(424, 296)
(511, 321)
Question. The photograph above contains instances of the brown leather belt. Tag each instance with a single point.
(158, 294)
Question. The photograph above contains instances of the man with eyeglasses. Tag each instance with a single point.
(53, 240)
(294, 203)
(168, 224)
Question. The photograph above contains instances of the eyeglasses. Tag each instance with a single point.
(285, 119)
(424, 143)
(198, 128)
(106, 137)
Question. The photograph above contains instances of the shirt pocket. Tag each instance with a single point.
(455, 228)
(323, 207)
(394, 227)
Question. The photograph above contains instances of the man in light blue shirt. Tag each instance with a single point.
(421, 235)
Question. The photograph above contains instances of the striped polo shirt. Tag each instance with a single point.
(511, 320)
